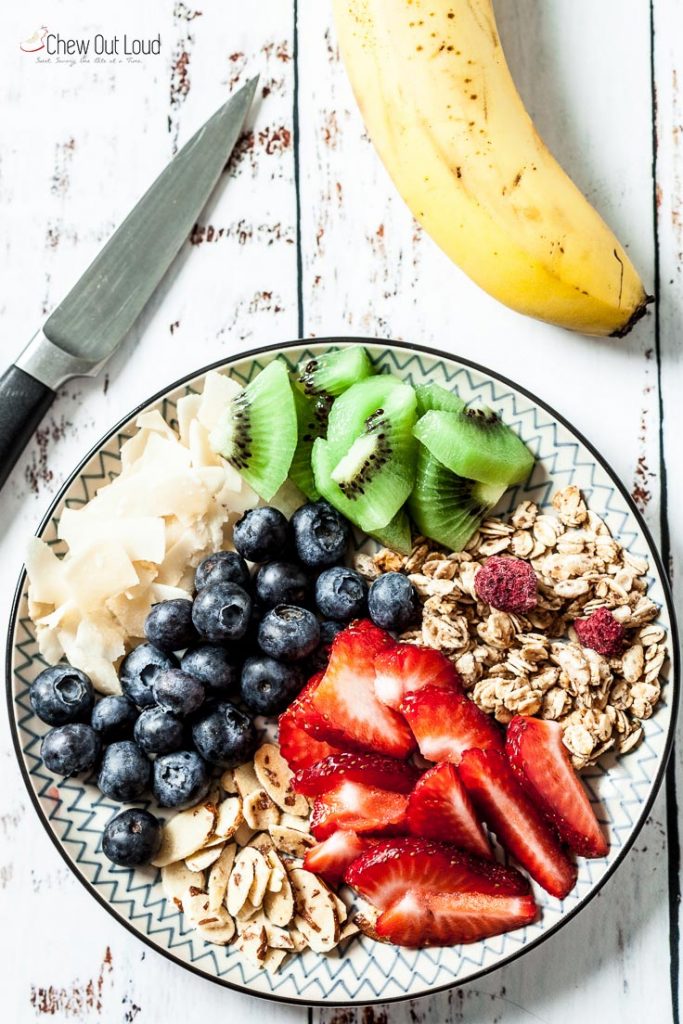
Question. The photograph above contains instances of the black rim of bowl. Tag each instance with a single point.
(274, 350)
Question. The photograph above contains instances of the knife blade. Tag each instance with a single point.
(94, 318)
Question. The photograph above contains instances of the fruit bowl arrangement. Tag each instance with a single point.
(186, 725)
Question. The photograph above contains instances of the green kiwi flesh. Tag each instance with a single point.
(333, 372)
(475, 444)
(351, 410)
(311, 416)
(258, 432)
(446, 507)
(396, 534)
(433, 396)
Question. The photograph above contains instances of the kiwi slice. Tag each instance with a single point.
(257, 434)
(311, 416)
(333, 372)
(476, 444)
(433, 396)
(350, 411)
(396, 534)
(446, 507)
(369, 482)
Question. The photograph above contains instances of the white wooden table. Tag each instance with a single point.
(307, 237)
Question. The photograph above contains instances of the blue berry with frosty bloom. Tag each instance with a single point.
(288, 633)
(139, 670)
(70, 749)
(125, 772)
(222, 567)
(169, 625)
(132, 838)
(393, 602)
(62, 694)
(225, 736)
(180, 779)
(341, 594)
(113, 718)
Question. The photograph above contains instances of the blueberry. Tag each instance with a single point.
(132, 838)
(341, 593)
(221, 612)
(125, 771)
(70, 749)
(139, 669)
(222, 567)
(281, 583)
(181, 778)
(225, 736)
(169, 625)
(178, 692)
(113, 718)
(321, 534)
(268, 686)
(215, 666)
(158, 731)
(62, 694)
(288, 633)
(261, 534)
(392, 601)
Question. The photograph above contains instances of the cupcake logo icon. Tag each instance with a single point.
(35, 42)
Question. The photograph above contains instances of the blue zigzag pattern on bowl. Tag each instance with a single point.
(366, 971)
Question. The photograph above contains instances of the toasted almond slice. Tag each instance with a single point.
(278, 938)
(296, 821)
(347, 930)
(245, 780)
(239, 883)
(291, 841)
(179, 883)
(219, 875)
(316, 914)
(279, 906)
(366, 920)
(197, 908)
(247, 912)
(276, 880)
(276, 777)
(228, 783)
(259, 810)
(243, 834)
(261, 876)
(299, 940)
(253, 944)
(228, 819)
(203, 859)
(341, 908)
(262, 842)
(220, 930)
(272, 961)
(185, 833)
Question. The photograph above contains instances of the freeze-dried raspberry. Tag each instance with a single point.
(508, 584)
(601, 632)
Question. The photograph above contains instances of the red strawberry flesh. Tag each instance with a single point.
(447, 919)
(540, 760)
(518, 825)
(363, 809)
(369, 769)
(395, 867)
(331, 858)
(407, 668)
(446, 724)
(298, 747)
(439, 808)
(345, 699)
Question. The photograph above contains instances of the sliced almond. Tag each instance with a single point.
(278, 938)
(228, 781)
(253, 944)
(276, 777)
(259, 810)
(273, 959)
(203, 859)
(197, 908)
(239, 883)
(219, 876)
(299, 940)
(243, 834)
(276, 880)
(185, 833)
(279, 906)
(341, 908)
(262, 842)
(316, 914)
(291, 841)
(220, 930)
(247, 912)
(245, 780)
(179, 882)
(366, 920)
(347, 930)
(261, 875)
(296, 821)
(228, 819)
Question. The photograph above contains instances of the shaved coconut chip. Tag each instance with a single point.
(179, 555)
(218, 392)
(142, 538)
(200, 449)
(217, 885)
(276, 777)
(180, 883)
(187, 408)
(203, 859)
(155, 422)
(185, 833)
(44, 570)
(96, 572)
(49, 645)
(163, 592)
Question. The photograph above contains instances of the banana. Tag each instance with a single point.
(439, 102)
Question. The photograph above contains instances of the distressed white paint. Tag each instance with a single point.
(584, 70)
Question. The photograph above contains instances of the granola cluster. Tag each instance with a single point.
(533, 663)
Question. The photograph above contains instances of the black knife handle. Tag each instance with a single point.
(23, 403)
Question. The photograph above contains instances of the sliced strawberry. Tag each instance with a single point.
(407, 668)
(439, 808)
(298, 747)
(395, 867)
(540, 760)
(358, 808)
(449, 918)
(345, 697)
(370, 769)
(446, 723)
(332, 857)
(518, 825)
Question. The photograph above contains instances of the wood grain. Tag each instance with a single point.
(306, 189)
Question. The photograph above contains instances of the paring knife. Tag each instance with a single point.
(94, 318)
